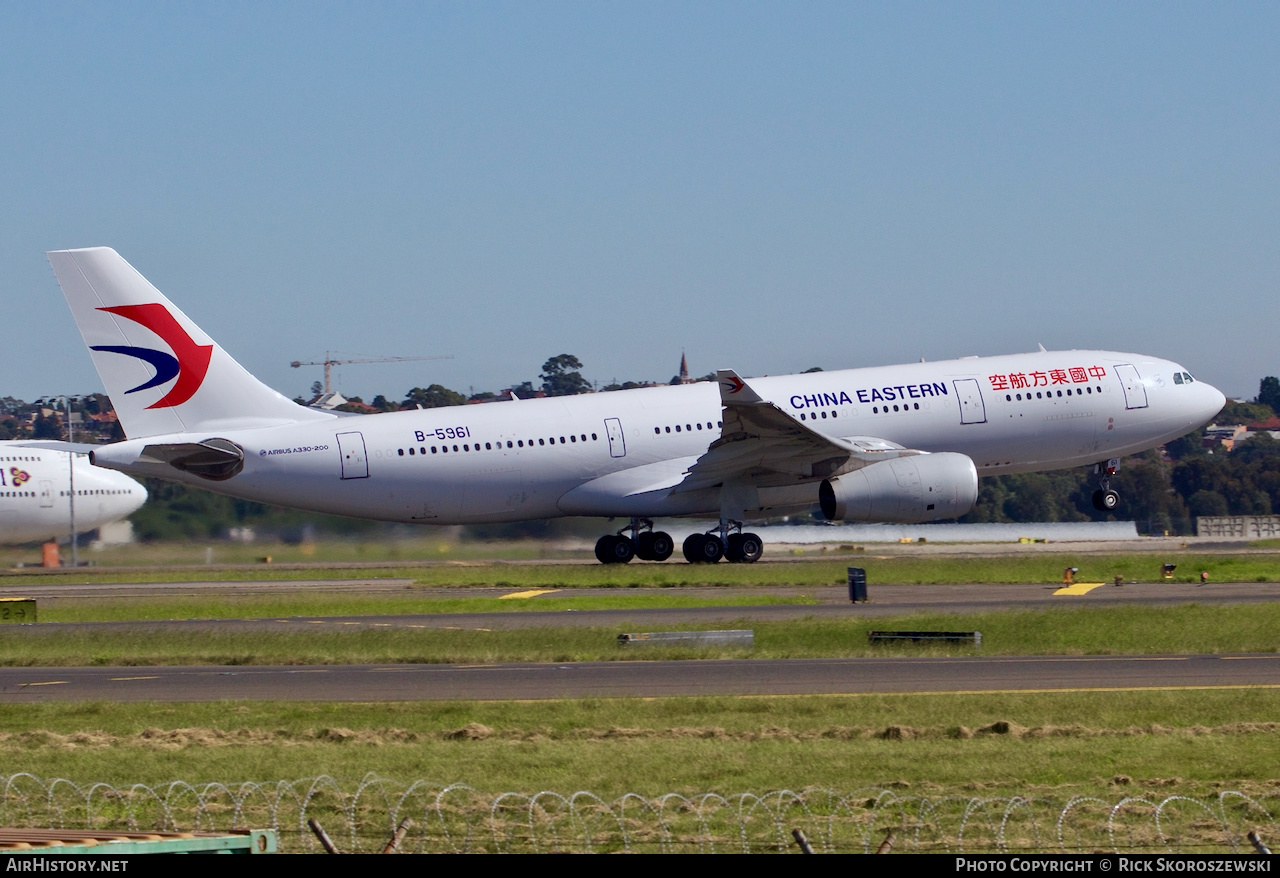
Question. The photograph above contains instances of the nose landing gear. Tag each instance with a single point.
(1105, 499)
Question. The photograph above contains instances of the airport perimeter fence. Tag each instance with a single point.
(360, 817)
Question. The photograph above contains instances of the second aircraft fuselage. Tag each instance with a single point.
(620, 453)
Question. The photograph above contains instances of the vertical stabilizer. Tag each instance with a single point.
(163, 374)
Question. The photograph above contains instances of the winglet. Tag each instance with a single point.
(735, 391)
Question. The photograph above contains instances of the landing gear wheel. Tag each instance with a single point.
(703, 549)
(751, 548)
(1105, 501)
(661, 546)
(733, 548)
(612, 549)
(644, 547)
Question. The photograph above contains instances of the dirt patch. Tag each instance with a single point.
(470, 732)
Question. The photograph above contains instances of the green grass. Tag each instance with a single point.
(1069, 631)
(1059, 744)
(310, 603)
(815, 569)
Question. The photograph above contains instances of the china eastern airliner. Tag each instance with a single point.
(38, 486)
(889, 444)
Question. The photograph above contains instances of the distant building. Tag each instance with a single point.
(683, 377)
(1225, 436)
(328, 401)
(1270, 425)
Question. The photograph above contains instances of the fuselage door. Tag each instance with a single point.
(617, 444)
(46, 493)
(972, 409)
(355, 462)
(1135, 393)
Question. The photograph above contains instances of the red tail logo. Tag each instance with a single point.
(189, 362)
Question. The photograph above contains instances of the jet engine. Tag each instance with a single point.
(923, 487)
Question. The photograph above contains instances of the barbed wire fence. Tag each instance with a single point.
(361, 816)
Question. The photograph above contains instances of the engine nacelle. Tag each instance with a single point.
(907, 490)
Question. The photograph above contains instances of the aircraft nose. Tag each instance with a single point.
(1214, 400)
(140, 496)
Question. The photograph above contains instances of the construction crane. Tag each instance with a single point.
(328, 362)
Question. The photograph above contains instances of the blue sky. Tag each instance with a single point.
(766, 186)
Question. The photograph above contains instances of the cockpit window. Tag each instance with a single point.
(1177, 377)
(1187, 376)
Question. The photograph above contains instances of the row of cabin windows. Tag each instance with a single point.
(17, 493)
(688, 428)
(20, 459)
(99, 492)
(813, 416)
(1010, 397)
(498, 446)
(884, 409)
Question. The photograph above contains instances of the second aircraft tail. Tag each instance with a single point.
(163, 374)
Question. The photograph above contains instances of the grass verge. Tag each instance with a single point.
(317, 603)
(1187, 629)
(1259, 566)
(1025, 744)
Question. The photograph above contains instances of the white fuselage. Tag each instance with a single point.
(621, 453)
(36, 494)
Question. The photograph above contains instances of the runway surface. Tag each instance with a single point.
(858, 676)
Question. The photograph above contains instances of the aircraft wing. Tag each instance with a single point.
(761, 444)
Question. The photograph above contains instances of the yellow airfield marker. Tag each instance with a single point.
(531, 593)
(1079, 588)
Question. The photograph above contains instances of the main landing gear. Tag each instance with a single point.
(645, 544)
(707, 548)
(710, 547)
(1105, 499)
